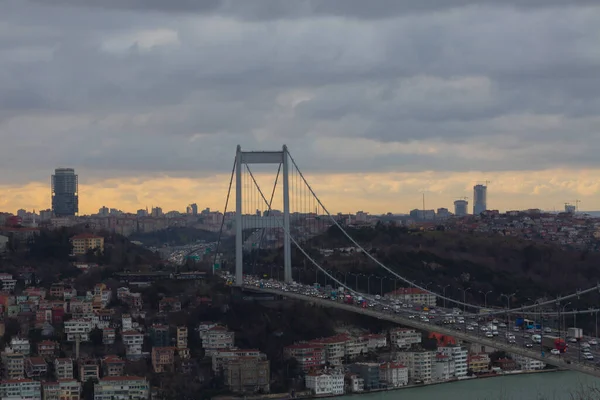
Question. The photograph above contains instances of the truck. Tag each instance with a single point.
(576, 333)
(333, 295)
(536, 338)
(553, 342)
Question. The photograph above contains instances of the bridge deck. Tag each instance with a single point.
(401, 320)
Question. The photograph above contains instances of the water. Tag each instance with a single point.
(544, 386)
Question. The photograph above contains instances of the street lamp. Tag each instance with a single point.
(465, 298)
(369, 283)
(485, 294)
(444, 292)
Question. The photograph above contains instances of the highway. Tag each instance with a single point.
(408, 317)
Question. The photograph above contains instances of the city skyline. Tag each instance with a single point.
(329, 189)
(148, 101)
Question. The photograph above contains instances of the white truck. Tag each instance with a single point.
(576, 333)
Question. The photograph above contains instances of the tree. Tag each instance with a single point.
(87, 390)
(96, 337)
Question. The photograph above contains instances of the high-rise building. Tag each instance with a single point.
(461, 207)
(65, 187)
(479, 199)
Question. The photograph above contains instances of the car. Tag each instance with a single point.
(516, 329)
(502, 325)
(470, 328)
(593, 342)
(588, 356)
(489, 334)
(548, 330)
(555, 352)
(572, 340)
(528, 345)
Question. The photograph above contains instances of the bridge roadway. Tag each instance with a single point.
(570, 362)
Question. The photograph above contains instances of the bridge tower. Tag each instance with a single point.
(261, 157)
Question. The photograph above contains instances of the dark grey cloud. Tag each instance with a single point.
(277, 9)
(449, 85)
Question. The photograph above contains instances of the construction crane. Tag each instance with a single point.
(577, 204)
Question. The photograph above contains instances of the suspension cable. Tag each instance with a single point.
(370, 256)
(224, 213)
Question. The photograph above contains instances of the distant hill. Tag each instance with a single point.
(176, 236)
(478, 261)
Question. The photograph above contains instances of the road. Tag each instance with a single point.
(383, 309)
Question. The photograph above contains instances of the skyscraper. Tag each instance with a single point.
(479, 199)
(460, 208)
(65, 186)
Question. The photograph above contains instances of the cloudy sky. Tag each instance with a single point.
(378, 101)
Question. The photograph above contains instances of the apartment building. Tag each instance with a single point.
(527, 364)
(113, 366)
(20, 345)
(335, 348)
(126, 323)
(133, 341)
(308, 355)
(163, 359)
(89, 369)
(133, 300)
(479, 363)
(81, 308)
(7, 283)
(69, 389)
(375, 341)
(21, 389)
(169, 304)
(460, 357)
(36, 368)
(78, 329)
(216, 338)
(102, 294)
(159, 335)
(443, 368)
(369, 372)
(14, 365)
(404, 338)
(355, 346)
(122, 387)
(393, 374)
(182, 337)
(247, 374)
(85, 242)
(63, 368)
(419, 363)
(108, 336)
(325, 383)
(413, 296)
(221, 357)
(46, 348)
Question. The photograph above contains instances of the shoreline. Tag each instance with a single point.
(304, 395)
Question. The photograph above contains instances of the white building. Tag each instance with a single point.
(413, 296)
(443, 368)
(419, 363)
(404, 338)
(63, 368)
(335, 348)
(126, 323)
(322, 383)
(393, 374)
(133, 342)
(68, 389)
(216, 338)
(375, 341)
(7, 283)
(355, 346)
(357, 383)
(78, 328)
(19, 345)
(528, 364)
(121, 387)
(20, 389)
(460, 357)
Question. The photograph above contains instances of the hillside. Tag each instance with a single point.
(480, 262)
(176, 236)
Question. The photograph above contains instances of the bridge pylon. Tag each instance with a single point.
(261, 157)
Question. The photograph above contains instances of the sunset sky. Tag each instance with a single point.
(378, 101)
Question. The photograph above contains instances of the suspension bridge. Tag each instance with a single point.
(291, 216)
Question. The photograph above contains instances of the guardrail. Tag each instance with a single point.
(401, 320)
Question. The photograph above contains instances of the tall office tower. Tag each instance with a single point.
(65, 186)
(460, 208)
(479, 199)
